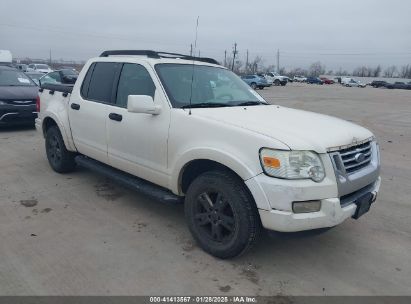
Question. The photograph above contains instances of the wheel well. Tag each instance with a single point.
(197, 167)
(47, 124)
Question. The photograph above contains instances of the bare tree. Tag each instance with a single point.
(238, 64)
(405, 71)
(390, 71)
(282, 71)
(316, 69)
(377, 71)
(255, 65)
(269, 68)
(298, 71)
(228, 62)
(341, 72)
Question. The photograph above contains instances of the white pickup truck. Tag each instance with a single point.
(185, 129)
(276, 78)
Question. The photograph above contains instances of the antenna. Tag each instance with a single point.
(192, 73)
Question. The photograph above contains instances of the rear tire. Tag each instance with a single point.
(277, 82)
(60, 159)
(221, 214)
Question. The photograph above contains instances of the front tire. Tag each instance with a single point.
(221, 214)
(60, 159)
(253, 85)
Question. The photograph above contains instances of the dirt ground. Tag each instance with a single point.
(80, 234)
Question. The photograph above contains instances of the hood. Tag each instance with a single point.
(18, 92)
(298, 129)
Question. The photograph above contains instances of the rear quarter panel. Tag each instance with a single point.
(55, 106)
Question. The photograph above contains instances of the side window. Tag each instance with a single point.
(101, 82)
(134, 80)
(55, 76)
(86, 82)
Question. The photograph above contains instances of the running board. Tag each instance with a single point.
(130, 181)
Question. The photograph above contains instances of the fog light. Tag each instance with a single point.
(307, 206)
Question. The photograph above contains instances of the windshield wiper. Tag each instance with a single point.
(251, 103)
(206, 105)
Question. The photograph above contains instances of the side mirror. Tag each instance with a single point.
(142, 104)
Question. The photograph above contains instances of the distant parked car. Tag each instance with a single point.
(21, 66)
(351, 82)
(269, 80)
(39, 67)
(18, 95)
(255, 81)
(60, 77)
(35, 76)
(378, 83)
(314, 80)
(298, 78)
(68, 68)
(276, 78)
(398, 85)
(326, 80)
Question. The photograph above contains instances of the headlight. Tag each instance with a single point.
(2, 102)
(292, 164)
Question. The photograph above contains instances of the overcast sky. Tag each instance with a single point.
(340, 33)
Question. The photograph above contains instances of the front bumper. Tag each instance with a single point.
(274, 200)
(11, 115)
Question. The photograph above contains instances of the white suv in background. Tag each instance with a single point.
(276, 78)
(39, 67)
(351, 82)
(298, 78)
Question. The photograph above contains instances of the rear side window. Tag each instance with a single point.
(101, 81)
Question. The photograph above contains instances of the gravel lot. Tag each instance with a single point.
(80, 234)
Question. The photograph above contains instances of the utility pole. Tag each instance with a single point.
(191, 49)
(50, 58)
(278, 60)
(225, 58)
(234, 53)
(246, 63)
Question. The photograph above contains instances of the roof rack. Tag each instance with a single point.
(157, 55)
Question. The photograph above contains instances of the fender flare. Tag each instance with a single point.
(68, 140)
(207, 153)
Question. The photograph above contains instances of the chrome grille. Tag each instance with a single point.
(356, 157)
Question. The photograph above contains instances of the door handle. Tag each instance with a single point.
(75, 106)
(115, 116)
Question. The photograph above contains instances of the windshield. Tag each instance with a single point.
(212, 86)
(14, 78)
(42, 66)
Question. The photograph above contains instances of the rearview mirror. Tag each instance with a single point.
(142, 104)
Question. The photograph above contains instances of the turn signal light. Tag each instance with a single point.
(271, 162)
